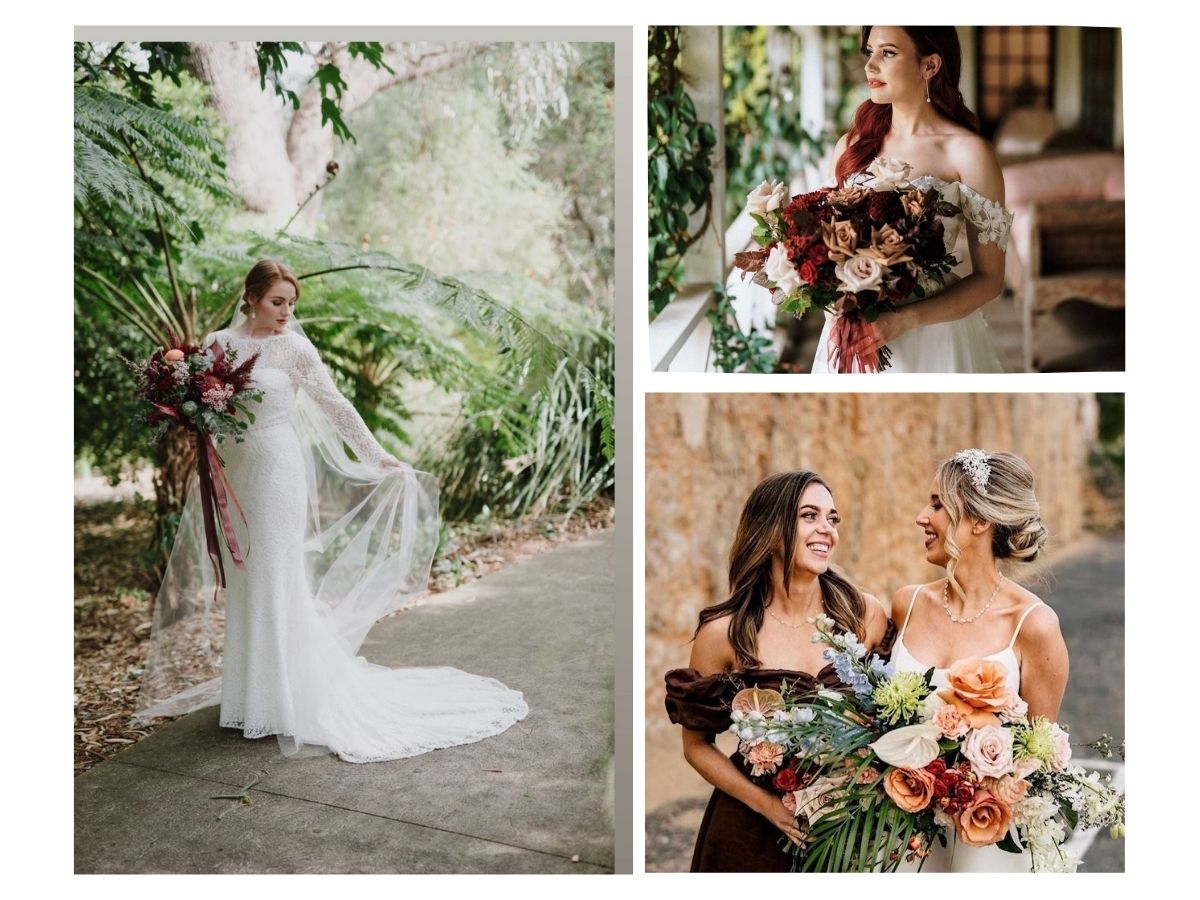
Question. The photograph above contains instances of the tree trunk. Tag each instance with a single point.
(274, 161)
(256, 152)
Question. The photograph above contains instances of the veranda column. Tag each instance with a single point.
(681, 335)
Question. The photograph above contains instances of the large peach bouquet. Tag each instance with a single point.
(878, 771)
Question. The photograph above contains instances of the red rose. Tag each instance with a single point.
(809, 271)
(818, 253)
(786, 780)
(936, 768)
(965, 791)
(941, 789)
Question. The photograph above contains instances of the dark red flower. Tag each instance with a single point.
(941, 789)
(810, 272)
(936, 768)
(786, 779)
(965, 791)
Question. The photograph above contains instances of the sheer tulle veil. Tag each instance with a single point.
(369, 543)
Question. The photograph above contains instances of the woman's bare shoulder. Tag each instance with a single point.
(712, 650)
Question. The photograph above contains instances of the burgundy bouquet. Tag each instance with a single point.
(855, 251)
(203, 391)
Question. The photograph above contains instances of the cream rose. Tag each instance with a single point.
(889, 174)
(859, 273)
(990, 751)
(765, 198)
(1062, 748)
(780, 270)
(910, 747)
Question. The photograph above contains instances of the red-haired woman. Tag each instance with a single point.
(916, 129)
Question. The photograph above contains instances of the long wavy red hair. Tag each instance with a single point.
(872, 120)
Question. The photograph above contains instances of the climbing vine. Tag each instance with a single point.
(680, 167)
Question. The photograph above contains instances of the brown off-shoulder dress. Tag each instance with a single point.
(732, 836)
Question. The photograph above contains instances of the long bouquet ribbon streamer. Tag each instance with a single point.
(848, 332)
(215, 494)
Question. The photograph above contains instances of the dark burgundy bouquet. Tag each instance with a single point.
(203, 390)
(855, 250)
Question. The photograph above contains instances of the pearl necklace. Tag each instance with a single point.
(781, 622)
(975, 618)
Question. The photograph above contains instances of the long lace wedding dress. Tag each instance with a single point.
(333, 544)
(963, 345)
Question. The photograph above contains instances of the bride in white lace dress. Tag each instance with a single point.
(334, 543)
(917, 122)
(982, 511)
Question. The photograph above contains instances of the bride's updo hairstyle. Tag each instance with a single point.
(766, 532)
(996, 488)
(260, 278)
(872, 120)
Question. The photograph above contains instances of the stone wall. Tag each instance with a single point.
(705, 453)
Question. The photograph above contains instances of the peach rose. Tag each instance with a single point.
(984, 821)
(1007, 789)
(848, 197)
(913, 202)
(840, 238)
(910, 789)
(173, 355)
(887, 246)
(978, 688)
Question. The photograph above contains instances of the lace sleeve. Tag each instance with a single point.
(311, 375)
(989, 217)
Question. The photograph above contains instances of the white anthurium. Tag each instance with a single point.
(910, 747)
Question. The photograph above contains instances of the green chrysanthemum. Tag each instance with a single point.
(898, 698)
(1034, 741)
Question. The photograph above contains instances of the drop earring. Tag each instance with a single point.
(927, 100)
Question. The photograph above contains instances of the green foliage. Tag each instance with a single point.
(577, 153)
(519, 454)
(680, 168)
(152, 219)
(127, 153)
(433, 181)
(733, 350)
(763, 137)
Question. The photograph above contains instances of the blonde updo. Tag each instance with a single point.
(1007, 502)
(260, 278)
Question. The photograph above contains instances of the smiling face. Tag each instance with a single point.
(274, 308)
(934, 520)
(816, 530)
(894, 68)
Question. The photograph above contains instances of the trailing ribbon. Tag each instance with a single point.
(215, 494)
(848, 332)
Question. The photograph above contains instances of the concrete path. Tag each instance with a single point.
(537, 798)
(1086, 587)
